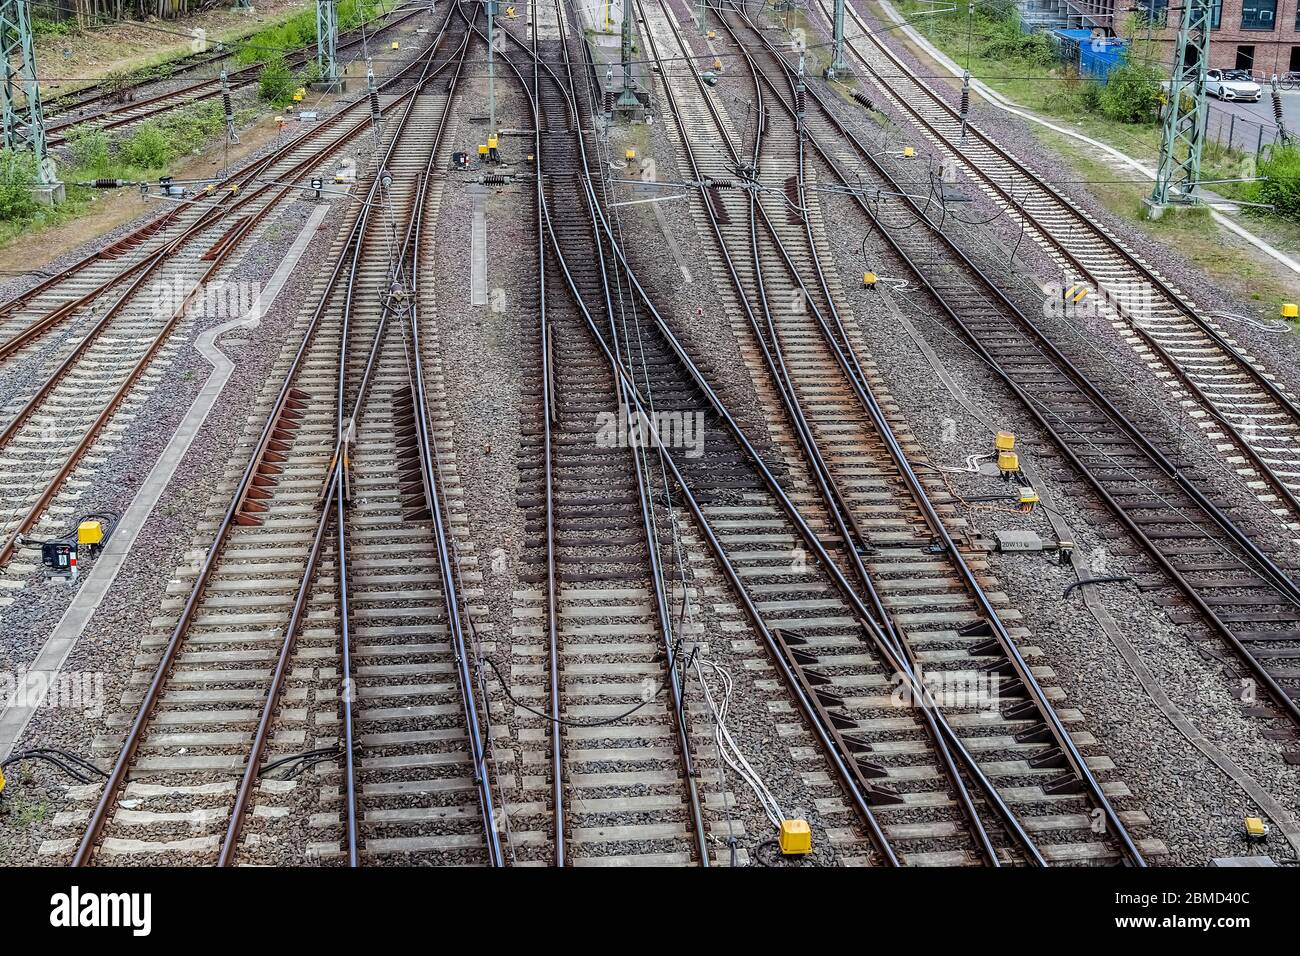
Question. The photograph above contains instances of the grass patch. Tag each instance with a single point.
(299, 30)
(148, 151)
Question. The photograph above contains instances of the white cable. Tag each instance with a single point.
(726, 744)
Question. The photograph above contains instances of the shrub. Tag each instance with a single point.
(1132, 93)
(1090, 95)
(309, 74)
(89, 147)
(1281, 188)
(1008, 42)
(147, 148)
(276, 82)
(17, 176)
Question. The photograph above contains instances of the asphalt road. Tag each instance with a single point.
(1251, 120)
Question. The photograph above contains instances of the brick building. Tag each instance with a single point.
(1262, 36)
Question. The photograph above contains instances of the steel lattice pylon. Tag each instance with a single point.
(24, 126)
(327, 30)
(1183, 135)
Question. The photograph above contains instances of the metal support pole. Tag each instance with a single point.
(1183, 136)
(628, 98)
(838, 65)
(327, 31)
(24, 127)
(492, 89)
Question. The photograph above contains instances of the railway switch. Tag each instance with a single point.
(1256, 830)
(796, 838)
(869, 279)
(1290, 310)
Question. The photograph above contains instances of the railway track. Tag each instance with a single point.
(624, 788)
(121, 109)
(822, 636)
(888, 514)
(1198, 360)
(1205, 567)
(123, 309)
(296, 637)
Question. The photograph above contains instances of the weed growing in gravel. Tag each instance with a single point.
(26, 812)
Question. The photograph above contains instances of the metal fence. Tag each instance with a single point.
(1232, 129)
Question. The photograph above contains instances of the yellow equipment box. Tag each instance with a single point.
(869, 279)
(1005, 441)
(90, 533)
(796, 838)
(1009, 462)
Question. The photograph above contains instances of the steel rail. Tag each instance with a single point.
(777, 369)
(334, 490)
(1266, 567)
(34, 513)
(449, 571)
(1288, 495)
(252, 767)
(131, 742)
(849, 773)
(847, 359)
(673, 681)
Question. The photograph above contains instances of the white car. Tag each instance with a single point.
(1232, 85)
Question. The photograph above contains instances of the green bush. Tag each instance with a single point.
(1090, 95)
(189, 130)
(1132, 93)
(17, 176)
(276, 82)
(1281, 188)
(309, 74)
(1006, 41)
(89, 147)
(43, 26)
(147, 148)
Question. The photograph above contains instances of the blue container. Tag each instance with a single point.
(1094, 56)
